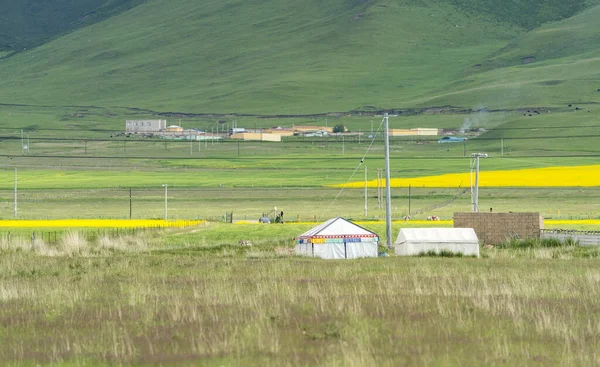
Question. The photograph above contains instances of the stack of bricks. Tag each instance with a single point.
(494, 228)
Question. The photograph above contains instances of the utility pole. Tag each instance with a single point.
(22, 143)
(15, 192)
(343, 146)
(475, 198)
(502, 146)
(366, 193)
(388, 191)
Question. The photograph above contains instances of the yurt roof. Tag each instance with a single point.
(338, 227)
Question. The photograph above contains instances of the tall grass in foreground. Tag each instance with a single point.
(187, 309)
(76, 243)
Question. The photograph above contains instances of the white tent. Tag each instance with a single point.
(338, 238)
(414, 241)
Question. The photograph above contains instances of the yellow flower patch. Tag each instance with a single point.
(99, 223)
(572, 222)
(531, 177)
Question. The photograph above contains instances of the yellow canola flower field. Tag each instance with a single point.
(99, 223)
(556, 222)
(531, 177)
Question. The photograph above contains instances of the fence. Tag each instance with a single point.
(584, 238)
(90, 234)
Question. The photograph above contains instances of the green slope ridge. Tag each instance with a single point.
(566, 69)
(28, 23)
(287, 56)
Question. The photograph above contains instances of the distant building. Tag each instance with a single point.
(237, 130)
(257, 136)
(144, 126)
(318, 133)
(280, 131)
(420, 131)
(307, 129)
(187, 134)
(174, 129)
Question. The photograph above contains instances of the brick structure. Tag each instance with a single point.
(494, 228)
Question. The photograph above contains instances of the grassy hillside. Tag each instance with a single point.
(286, 56)
(26, 24)
(523, 13)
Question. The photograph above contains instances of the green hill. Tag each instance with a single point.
(25, 24)
(286, 56)
(565, 68)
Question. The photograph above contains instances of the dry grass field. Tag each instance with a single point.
(150, 300)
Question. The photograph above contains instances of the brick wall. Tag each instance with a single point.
(493, 228)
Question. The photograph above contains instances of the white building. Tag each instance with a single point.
(144, 126)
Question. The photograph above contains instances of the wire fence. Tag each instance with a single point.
(54, 237)
(49, 148)
(226, 204)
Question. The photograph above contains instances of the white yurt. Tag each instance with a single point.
(414, 241)
(338, 238)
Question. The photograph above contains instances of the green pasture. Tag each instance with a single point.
(96, 140)
(87, 175)
(299, 204)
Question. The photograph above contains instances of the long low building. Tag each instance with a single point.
(257, 137)
(309, 128)
(420, 131)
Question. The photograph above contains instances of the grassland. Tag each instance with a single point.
(194, 296)
(90, 177)
(183, 298)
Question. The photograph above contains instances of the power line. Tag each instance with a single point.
(358, 166)
(295, 158)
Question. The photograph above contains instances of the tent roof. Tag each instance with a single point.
(437, 235)
(338, 227)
